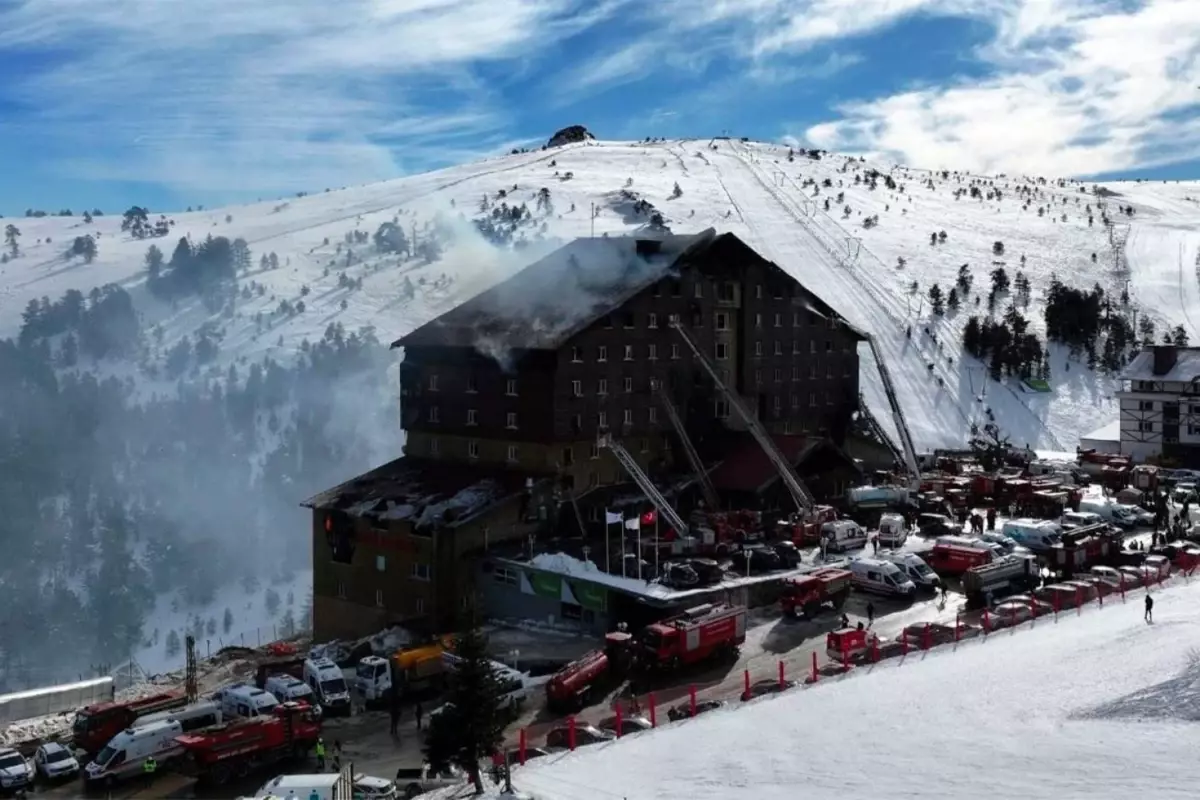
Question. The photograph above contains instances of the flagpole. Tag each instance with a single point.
(657, 545)
(639, 549)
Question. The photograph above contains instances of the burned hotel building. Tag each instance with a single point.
(503, 400)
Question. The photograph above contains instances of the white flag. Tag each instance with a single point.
(633, 524)
(611, 519)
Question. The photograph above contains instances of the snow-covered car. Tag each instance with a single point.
(368, 787)
(1161, 565)
(634, 724)
(1140, 515)
(1010, 612)
(1005, 543)
(55, 762)
(514, 755)
(413, 781)
(15, 772)
(1037, 607)
(767, 686)
(684, 710)
(584, 735)
(1139, 576)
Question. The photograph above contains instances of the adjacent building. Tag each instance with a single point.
(503, 399)
(1160, 406)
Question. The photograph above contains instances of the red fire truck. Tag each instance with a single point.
(572, 686)
(695, 635)
(237, 748)
(96, 725)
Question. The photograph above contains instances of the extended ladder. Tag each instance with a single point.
(710, 494)
(910, 452)
(643, 481)
(800, 494)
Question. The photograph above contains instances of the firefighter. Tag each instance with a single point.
(320, 750)
(149, 767)
(991, 519)
(1149, 615)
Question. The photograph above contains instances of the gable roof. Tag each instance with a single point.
(550, 300)
(748, 469)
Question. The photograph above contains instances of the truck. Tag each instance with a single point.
(572, 687)
(97, 724)
(235, 749)
(1011, 574)
(807, 594)
(410, 670)
(696, 635)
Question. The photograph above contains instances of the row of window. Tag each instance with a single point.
(726, 290)
(510, 385)
(418, 570)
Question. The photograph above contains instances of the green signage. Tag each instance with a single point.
(546, 584)
(590, 595)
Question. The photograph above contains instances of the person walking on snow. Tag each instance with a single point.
(870, 614)
(1149, 615)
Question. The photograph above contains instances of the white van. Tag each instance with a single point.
(915, 568)
(246, 701)
(1035, 534)
(373, 678)
(328, 685)
(324, 785)
(288, 687)
(124, 756)
(881, 577)
(892, 530)
(1080, 519)
(191, 718)
(843, 535)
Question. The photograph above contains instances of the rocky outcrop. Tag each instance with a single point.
(574, 133)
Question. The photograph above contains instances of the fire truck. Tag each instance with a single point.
(572, 687)
(807, 594)
(234, 750)
(695, 635)
(96, 725)
(1003, 576)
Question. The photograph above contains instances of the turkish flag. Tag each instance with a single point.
(649, 517)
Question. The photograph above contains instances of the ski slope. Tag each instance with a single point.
(750, 189)
(1102, 705)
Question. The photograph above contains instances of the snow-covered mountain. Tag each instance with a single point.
(807, 215)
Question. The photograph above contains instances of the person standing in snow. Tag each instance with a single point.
(870, 614)
(418, 713)
(1149, 615)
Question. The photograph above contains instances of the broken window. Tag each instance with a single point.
(722, 351)
(627, 319)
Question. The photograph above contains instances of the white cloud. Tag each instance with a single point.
(1081, 88)
(235, 96)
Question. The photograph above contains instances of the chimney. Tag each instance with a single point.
(1165, 356)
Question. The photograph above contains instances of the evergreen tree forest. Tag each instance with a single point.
(115, 493)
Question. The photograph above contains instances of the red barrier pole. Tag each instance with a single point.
(571, 732)
(618, 719)
(815, 674)
(987, 621)
(926, 639)
(746, 680)
(1078, 601)
(957, 629)
(692, 699)
(522, 745)
(653, 711)
(782, 682)
(1057, 605)
(904, 641)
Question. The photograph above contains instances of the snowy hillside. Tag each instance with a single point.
(753, 190)
(1102, 705)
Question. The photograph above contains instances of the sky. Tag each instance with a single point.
(175, 103)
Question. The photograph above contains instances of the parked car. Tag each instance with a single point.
(414, 781)
(514, 756)
(368, 787)
(54, 762)
(767, 686)
(1010, 612)
(1161, 565)
(684, 710)
(1139, 576)
(1007, 544)
(584, 735)
(930, 525)
(633, 724)
(15, 772)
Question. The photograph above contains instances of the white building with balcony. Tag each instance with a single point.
(1160, 406)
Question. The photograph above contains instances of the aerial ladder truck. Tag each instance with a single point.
(706, 487)
(630, 465)
(800, 494)
(906, 442)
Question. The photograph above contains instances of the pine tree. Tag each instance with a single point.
(471, 724)
(952, 299)
(173, 644)
(936, 301)
(227, 623)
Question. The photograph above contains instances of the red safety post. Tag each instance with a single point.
(618, 719)
(692, 700)
(926, 638)
(904, 641)
(571, 732)
(653, 711)
(782, 682)
(1057, 605)
(746, 681)
(987, 621)
(521, 747)
(815, 674)
(957, 627)
(1078, 601)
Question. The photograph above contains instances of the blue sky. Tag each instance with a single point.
(169, 103)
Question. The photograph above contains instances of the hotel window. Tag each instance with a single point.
(433, 413)
(653, 415)
(653, 352)
(472, 386)
(602, 419)
(510, 420)
(653, 321)
(433, 382)
(472, 449)
(675, 351)
(576, 355)
(627, 416)
(472, 416)
(758, 348)
(795, 401)
(629, 352)
(758, 291)
(828, 370)
(812, 399)
(778, 348)
(421, 572)
(628, 385)
(722, 351)
(779, 320)
(778, 375)
(381, 563)
(795, 319)
(512, 453)
(602, 353)
(795, 373)
(758, 376)
(510, 387)
(777, 405)
(812, 346)
(726, 291)
(758, 320)
(577, 388)
(602, 386)
(812, 372)
(699, 291)
(722, 321)
(434, 446)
